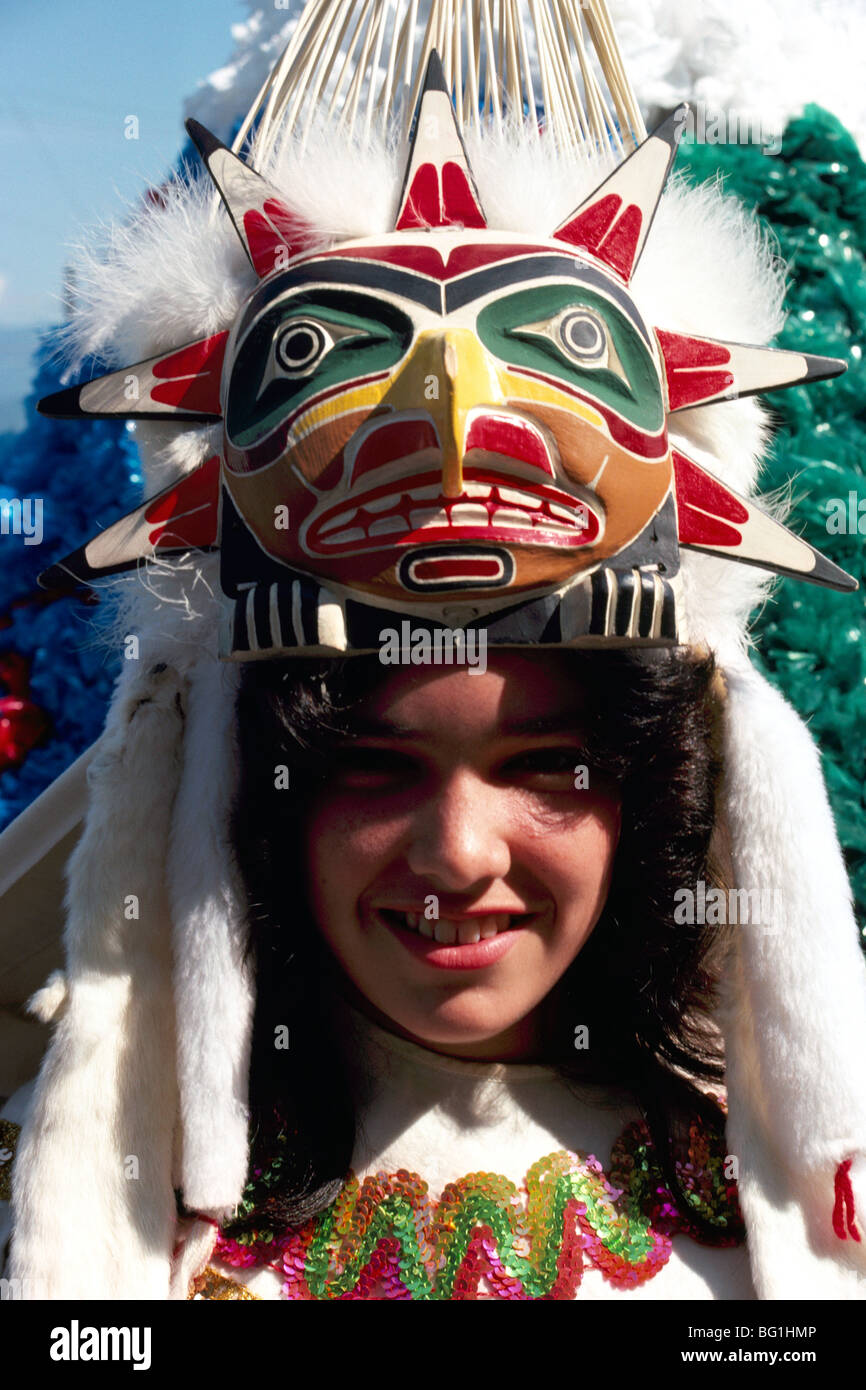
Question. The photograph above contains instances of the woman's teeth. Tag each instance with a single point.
(448, 933)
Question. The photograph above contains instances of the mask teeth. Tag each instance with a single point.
(481, 504)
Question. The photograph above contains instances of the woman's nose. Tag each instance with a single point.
(458, 836)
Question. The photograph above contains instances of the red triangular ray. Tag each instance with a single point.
(714, 518)
(274, 235)
(270, 232)
(613, 222)
(184, 385)
(438, 190)
(609, 231)
(184, 516)
(702, 370)
(190, 377)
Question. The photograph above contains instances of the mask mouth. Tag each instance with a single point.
(502, 508)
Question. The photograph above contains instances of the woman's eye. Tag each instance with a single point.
(551, 767)
(372, 767)
(301, 346)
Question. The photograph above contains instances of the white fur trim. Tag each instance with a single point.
(48, 1001)
(795, 1017)
(213, 990)
(196, 1242)
(86, 1225)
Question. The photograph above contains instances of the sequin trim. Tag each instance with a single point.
(211, 1284)
(9, 1133)
(384, 1237)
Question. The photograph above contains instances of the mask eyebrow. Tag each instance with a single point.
(528, 270)
(350, 275)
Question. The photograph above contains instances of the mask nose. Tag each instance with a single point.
(448, 374)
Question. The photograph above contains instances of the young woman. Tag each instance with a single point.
(375, 983)
(481, 981)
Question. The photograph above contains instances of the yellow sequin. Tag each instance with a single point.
(210, 1284)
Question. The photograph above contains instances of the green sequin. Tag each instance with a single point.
(385, 1237)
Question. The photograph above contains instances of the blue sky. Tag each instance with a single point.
(73, 70)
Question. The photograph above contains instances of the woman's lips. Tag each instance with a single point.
(458, 955)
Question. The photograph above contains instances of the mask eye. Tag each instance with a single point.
(298, 349)
(578, 334)
(583, 335)
(300, 346)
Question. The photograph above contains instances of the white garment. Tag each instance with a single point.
(443, 1118)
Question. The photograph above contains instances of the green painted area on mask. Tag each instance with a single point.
(378, 337)
(636, 396)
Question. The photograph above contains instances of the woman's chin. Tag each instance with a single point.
(463, 1026)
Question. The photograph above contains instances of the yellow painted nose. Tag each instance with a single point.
(448, 374)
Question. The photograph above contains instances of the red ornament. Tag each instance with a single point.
(22, 723)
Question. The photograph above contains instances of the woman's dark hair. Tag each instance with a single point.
(643, 984)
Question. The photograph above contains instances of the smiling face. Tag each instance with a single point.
(457, 411)
(451, 794)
